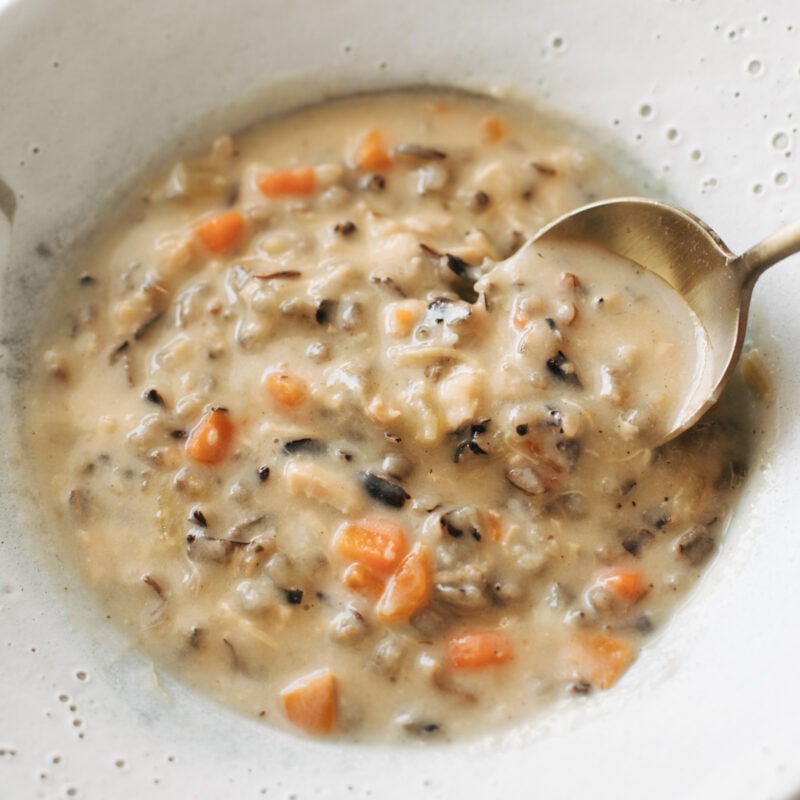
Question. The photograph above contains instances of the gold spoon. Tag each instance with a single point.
(683, 251)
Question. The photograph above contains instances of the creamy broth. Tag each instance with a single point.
(326, 453)
(616, 332)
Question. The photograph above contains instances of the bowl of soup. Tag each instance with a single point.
(323, 478)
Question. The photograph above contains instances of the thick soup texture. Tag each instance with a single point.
(334, 446)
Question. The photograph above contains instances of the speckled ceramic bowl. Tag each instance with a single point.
(703, 96)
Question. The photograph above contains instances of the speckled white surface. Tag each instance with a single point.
(703, 96)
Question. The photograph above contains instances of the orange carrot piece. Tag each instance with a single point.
(495, 526)
(363, 580)
(210, 440)
(310, 702)
(493, 129)
(371, 155)
(409, 588)
(222, 232)
(476, 649)
(297, 182)
(626, 585)
(404, 319)
(375, 542)
(285, 389)
(599, 658)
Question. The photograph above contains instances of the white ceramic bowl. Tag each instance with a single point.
(704, 97)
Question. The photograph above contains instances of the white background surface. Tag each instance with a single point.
(93, 92)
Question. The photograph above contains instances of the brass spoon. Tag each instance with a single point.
(692, 259)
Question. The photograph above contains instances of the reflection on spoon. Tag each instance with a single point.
(713, 284)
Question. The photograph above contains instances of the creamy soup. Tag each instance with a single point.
(335, 444)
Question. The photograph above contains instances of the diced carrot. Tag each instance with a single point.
(495, 526)
(375, 542)
(409, 588)
(363, 580)
(285, 389)
(222, 232)
(476, 649)
(371, 155)
(310, 702)
(404, 317)
(599, 658)
(210, 440)
(626, 585)
(297, 182)
(493, 129)
(400, 320)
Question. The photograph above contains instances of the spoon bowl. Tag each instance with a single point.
(682, 250)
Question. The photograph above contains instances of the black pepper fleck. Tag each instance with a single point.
(294, 596)
(345, 228)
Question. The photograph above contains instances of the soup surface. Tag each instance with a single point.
(340, 448)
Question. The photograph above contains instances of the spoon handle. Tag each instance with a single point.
(779, 245)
